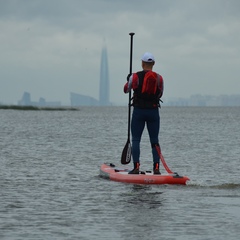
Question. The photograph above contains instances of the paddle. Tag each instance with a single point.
(126, 153)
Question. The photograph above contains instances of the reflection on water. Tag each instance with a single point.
(141, 198)
(142, 210)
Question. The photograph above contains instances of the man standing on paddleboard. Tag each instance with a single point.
(147, 88)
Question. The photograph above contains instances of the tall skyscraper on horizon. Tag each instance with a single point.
(104, 80)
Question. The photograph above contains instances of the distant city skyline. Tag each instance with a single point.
(104, 79)
(78, 99)
(205, 100)
(193, 100)
(27, 101)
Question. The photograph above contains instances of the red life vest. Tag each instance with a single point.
(149, 90)
(150, 83)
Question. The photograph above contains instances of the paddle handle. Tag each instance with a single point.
(131, 51)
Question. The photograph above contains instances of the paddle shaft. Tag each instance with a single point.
(127, 152)
(130, 72)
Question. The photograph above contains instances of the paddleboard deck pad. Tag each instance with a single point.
(114, 173)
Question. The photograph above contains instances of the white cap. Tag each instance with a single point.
(148, 57)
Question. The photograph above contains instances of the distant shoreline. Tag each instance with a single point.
(34, 108)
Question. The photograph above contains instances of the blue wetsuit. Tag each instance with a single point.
(144, 112)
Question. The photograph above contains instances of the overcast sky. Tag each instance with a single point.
(53, 47)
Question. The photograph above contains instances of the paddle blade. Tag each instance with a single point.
(126, 153)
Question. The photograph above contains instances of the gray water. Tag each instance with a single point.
(50, 186)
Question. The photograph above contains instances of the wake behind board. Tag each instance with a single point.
(110, 171)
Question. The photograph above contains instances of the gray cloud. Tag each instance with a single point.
(50, 48)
